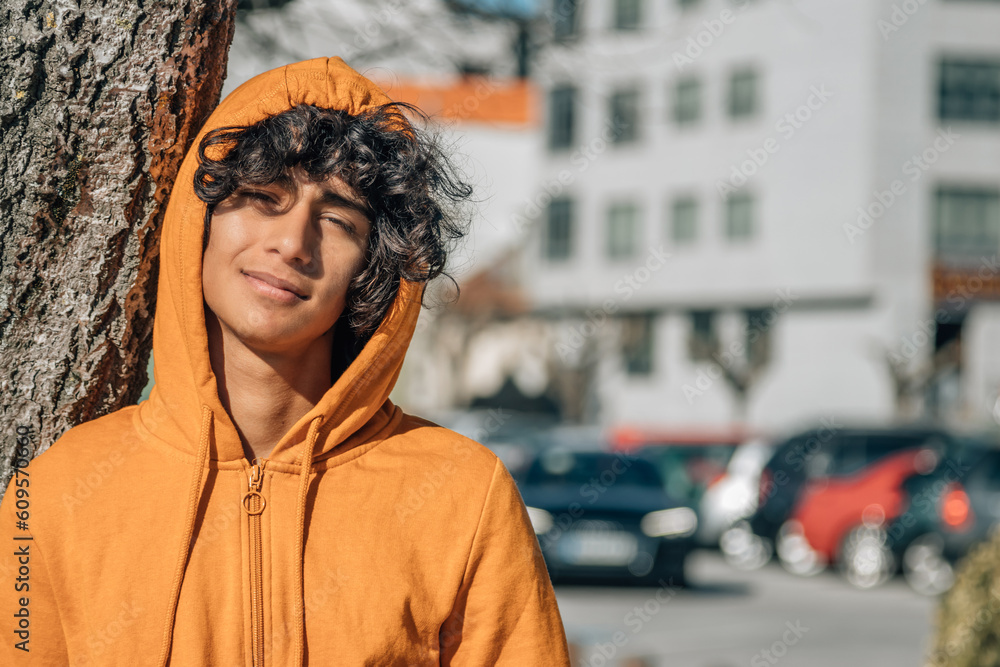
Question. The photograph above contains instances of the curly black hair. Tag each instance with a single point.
(412, 188)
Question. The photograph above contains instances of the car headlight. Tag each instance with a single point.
(676, 522)
(541, 520)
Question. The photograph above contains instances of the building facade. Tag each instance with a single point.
(771, 212)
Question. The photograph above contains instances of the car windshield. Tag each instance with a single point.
(688, 470)
(976, 466)
(564, 468)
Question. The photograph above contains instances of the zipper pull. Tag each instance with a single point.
(256, 479)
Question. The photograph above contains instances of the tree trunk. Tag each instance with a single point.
(99, 103)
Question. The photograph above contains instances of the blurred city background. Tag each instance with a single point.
(730, 306)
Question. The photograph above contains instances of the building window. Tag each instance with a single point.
(758, 336)
(624, 113)
(628, 14)
(742, 93)
(702, 343)
(684, 220)
(622, 230)
(562, 117)
(969, 90)
(739, 217)
(687, 101)
(564, 17)
(559, 229)
(966, 222)
(637, 343)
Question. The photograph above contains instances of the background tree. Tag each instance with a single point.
(495, 37)
(968, 618)
(101, 100)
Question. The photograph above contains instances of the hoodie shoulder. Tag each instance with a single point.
(87, 461)
(94, 439)
(83, 475)
(436, 440)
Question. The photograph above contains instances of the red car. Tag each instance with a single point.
(854, 486)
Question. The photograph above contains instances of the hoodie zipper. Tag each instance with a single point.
(254, 504)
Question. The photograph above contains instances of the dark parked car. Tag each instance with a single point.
(825, 488)
(948, 512)
(691, 464)
(601, 515)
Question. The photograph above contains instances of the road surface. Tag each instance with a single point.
(729, 618)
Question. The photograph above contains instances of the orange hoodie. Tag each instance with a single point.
(367, 537)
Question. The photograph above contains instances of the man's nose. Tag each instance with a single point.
(293, 235)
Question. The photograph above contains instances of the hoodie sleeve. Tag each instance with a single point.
(31, 631)
(505, 612)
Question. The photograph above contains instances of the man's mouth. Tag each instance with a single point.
(278, 283)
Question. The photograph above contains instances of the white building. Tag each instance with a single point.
(807, 192)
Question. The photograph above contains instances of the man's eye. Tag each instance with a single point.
(348, 227)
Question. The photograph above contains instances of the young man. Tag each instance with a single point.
(269, 505)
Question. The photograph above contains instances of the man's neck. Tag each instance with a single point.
(266, 393)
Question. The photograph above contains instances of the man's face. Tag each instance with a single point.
(280, 258)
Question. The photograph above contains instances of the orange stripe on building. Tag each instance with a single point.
(471, 100)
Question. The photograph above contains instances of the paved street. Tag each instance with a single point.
(730, 618)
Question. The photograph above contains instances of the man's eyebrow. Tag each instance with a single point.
(337, 199)
(330, 197)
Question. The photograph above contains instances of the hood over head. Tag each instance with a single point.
(184, 410)
(356, 404)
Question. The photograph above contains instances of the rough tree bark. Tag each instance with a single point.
(100, 101)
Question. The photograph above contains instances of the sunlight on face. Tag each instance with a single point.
(280, 258)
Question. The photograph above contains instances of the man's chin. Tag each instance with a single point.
(280, 342)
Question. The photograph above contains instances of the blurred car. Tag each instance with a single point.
(824, 488)
(733, 497)
(601, 515)
(691, 464)
(948, 512)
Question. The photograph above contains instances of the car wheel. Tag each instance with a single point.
(865, 560)
(743, 549)
(795, 553)
(925, 567)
